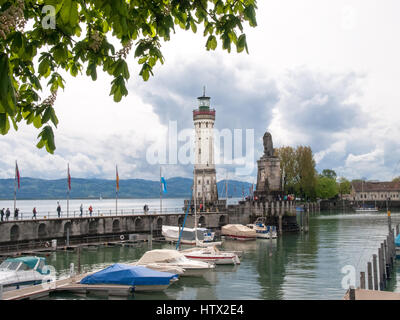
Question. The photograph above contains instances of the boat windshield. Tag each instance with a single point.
(7, 265)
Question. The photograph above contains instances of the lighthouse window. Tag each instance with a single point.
(208, 181)
(199, 150)
(199, 181)
(206, 124)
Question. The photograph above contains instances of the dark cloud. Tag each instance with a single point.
(318, 106)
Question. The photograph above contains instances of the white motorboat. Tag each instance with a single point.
(238, 232)
(17, 273)
(211, 254)
(171, 233)
(367, 209)
(168, 260)
(263, 231)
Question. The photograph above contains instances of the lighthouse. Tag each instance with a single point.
(205, 181)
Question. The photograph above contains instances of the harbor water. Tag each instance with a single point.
(294, 266)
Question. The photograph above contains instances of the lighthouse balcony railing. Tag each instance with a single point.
(210, 112)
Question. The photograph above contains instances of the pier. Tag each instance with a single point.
(25, 235)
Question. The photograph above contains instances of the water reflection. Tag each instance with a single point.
(295, 266)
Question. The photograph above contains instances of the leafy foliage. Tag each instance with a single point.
(29, 56)
(344, 186)
(326, 187)
(299, 171)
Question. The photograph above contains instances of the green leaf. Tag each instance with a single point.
(211, 43)
(69, 13)
(4, 124)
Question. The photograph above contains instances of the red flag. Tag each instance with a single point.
(17, 172)
(117, 177)
(69, 179)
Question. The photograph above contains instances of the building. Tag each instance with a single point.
(374, 191)
(205, 181)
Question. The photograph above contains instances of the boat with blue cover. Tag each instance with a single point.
(20, 272)
(135, 278)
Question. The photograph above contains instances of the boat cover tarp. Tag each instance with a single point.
(187, 234)
(160, 256)
(30, 261)
(397, 241)
(238, 230)
(124, 274)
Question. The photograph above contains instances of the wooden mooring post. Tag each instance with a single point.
(375, 266)
(369, 268)
(79, 259)
(362, 280)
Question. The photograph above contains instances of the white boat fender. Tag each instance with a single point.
(47, 244)
(122, 237)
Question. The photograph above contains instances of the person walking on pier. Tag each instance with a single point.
(16, 213)
(59, 209)
(34, 213)
(8, 213)
(81, 210)
(90, 210)
(2, 214)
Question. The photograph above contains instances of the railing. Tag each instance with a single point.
(210, 112)
(25, 216)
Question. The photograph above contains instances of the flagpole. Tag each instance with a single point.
(15, 187)
(160, 193)
(68, 192)
(116, 191)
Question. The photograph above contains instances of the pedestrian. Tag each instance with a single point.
(81, 209)
(16, 213)
(34, 213)
(8, 213)
(90, 210)
(58, 209)
(2, 214)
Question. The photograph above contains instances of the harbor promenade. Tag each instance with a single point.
(25, 234)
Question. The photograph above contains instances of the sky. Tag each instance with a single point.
(320, 73)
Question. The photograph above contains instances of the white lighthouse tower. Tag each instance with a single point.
(205, 181)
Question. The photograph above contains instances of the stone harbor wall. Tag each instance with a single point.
(245, 212)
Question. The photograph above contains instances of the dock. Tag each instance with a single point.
(364, 294)
(70, 284)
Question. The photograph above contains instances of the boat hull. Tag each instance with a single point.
(213, 259)
(240, 238)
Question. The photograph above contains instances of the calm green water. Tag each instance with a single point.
(295, 266)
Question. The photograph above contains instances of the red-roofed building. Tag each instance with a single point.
(368, 190)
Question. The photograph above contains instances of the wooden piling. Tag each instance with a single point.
(397, 230)
(374, 264)
(352, 293)
(384, 264)
(79, 259)
(369, 268)
(381, 273)
(362, 280)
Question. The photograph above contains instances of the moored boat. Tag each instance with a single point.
(20, 272)
(211, 254)
(134, 278)
(238, 232)
(171, 233)
(166, 259)
(263, 231)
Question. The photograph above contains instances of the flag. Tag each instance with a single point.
(17, 173)
(163, 185)
(117, 177)
(69, 179)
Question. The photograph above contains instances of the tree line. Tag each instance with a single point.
(300, 177)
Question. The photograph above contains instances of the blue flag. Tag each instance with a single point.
(164, 185)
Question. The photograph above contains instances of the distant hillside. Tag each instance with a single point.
(31, 188)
